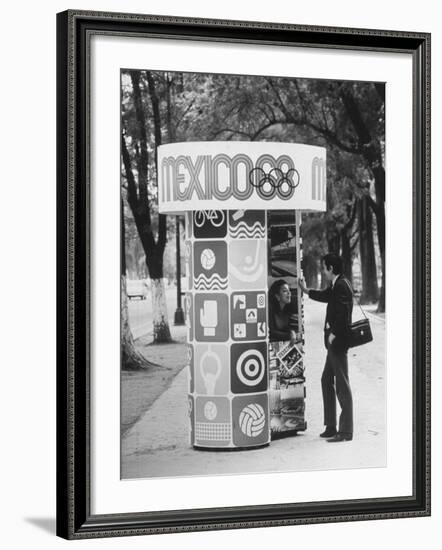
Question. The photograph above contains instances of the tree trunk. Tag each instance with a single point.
(138, 200)
(370, 290)
(131, 358)
(333, 242)
(372, 154)
(347, 255)
(380, 223)
(161, 331)
(311, 271)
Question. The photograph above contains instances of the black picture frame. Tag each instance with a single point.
(74, 518)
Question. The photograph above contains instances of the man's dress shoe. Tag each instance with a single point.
(340, 437)
(329, 432)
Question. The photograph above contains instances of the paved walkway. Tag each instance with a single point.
(157, 445)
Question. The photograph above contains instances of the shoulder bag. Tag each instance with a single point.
(360, 331)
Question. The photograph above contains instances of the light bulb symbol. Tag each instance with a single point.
(210, 367)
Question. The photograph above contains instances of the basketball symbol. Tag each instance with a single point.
(250, 367)
(208, 258)
(252, 420)
(210, 410)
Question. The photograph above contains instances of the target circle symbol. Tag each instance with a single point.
(250, 367)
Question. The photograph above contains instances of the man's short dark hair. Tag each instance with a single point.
(335, 262)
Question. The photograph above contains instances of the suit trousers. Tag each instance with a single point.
(335, 384)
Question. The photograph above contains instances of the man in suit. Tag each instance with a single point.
(335, 382)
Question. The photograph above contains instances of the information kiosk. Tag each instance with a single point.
(242, 203)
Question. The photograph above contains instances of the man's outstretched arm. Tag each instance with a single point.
(317, 295)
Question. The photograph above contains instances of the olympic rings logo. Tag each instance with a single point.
(274, 182)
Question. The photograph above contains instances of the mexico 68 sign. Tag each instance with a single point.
(235, 175)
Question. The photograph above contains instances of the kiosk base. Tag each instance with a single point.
(229, 449)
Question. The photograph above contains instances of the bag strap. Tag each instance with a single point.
(353, 296)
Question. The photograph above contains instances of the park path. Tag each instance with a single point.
(158, 446)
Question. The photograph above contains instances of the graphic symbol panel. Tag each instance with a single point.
(188, 263)
(252, 420)
(191, 413)
(247, 224)
(250, 417)
(210, 265)
(190, 366)
(211, 317)
(248, 316)
(248, 364)
(213, 426)
(188, 311)
(209, 224)
(247, 265)
(211, 369)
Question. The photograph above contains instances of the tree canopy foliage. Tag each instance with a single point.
(344, 116)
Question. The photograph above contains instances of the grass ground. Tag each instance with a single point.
(139, 389)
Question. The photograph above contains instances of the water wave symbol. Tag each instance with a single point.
(244, 230)
(215, 282)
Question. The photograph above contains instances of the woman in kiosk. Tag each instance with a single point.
(283, 315)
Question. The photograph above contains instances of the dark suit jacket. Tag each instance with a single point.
(339, 300)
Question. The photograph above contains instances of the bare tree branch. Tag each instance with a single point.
(231, 130)
(303, 121)
(185, 112)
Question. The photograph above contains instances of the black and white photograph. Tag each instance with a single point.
(253, 274)
(243, 274)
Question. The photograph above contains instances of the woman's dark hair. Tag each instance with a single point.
(274, 290)
(335, 262)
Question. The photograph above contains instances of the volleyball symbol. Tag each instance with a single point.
(250, 367)
(252, 420)
(208, 258)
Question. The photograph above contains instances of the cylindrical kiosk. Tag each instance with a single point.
(242, 204)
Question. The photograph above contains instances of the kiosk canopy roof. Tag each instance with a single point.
(228, 175)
